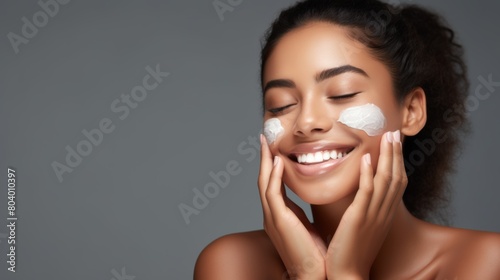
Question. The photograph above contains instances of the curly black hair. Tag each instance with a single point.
(420, 50)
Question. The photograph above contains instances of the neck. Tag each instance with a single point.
(405, 228)
(327, 217)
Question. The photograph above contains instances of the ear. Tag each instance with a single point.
(414, 112)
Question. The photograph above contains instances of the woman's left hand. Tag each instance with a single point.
(366, 222)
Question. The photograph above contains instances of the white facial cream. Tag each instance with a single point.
(368, 118)
(272, 130)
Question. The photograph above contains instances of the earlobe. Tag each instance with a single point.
(415, 112)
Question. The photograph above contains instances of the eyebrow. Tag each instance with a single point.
(323, 75)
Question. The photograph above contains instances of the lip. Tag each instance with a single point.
(316, 169)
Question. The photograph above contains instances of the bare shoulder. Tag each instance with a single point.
(476, 255)
(245, 255)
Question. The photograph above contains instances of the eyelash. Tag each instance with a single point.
(275, 111)
(345, 96)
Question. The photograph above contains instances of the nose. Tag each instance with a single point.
(314, 118)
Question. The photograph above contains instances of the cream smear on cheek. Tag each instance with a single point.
(368, 118)
(273, 129)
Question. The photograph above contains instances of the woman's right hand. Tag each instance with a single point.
(300, 247)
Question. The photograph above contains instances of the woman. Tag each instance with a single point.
(351, 89)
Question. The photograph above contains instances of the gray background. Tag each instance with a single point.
(119, 207)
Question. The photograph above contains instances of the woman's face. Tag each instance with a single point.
(312, 108)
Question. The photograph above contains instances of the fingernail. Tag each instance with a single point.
(367, 159)
(388, 136)
(397, 136)
(276, 159)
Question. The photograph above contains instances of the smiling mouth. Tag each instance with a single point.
(320, 156)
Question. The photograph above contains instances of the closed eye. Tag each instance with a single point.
(279, 109)
(345, 96)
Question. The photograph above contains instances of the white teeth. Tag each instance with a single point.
(310, 158)
(320, 156)
(326, 155)
(333, 154)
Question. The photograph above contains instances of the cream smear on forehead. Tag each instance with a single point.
(368, 118)
(273, 129)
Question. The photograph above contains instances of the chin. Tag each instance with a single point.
(325, 192)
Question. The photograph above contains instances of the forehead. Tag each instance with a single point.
(314, 47)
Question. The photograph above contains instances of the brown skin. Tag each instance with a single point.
(361, 227)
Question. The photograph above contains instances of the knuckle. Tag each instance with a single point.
(397, 179)
(261, 182)
(269, 194)
(386, 175)
(400, 179)
(404, 180)
(367, 188)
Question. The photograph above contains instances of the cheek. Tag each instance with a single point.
(368, 118)
(273, 130)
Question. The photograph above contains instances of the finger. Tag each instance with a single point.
(400, 180)
(266, 167)
(285, 220)
(266, 162)
(299, 212)
(292, 231)
(365, 191)
(274, 195)
(384, 174)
